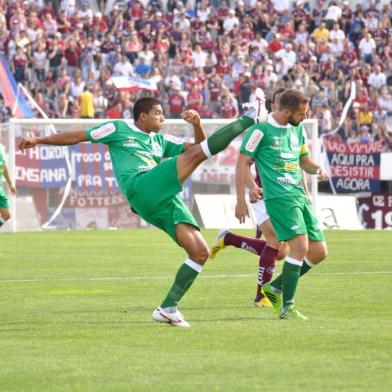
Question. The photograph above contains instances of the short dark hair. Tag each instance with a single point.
(276, 93)
(144, 105)
(291, 99)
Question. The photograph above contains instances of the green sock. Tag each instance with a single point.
(219, 140)
(183, 280)
(290, 277)
(305, 268)
(277, 283)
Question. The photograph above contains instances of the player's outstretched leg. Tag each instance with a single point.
(219, 140)
(188, 161)
(227, 238)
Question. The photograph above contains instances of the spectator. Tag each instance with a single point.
(337, 33)
(377, 79)
(227, 108)
(147, 54)
(195, 99)
(100, 102)
(385, 101)
(142, 69)
(230, 21)
(124, 67)
(39, 62)
(176, 103)
(86, 104)
(19, 65)
(367, 48)
(288, 54)
(115, 111)
(77, 85)
(334, 13)
(320, 33)
(132, 47)
(199, 56)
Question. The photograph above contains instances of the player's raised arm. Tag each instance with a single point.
(241, 178)
(61, 139)
(193, 117)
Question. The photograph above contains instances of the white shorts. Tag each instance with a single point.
(260, 212)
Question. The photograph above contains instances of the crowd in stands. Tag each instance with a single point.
(205, 55)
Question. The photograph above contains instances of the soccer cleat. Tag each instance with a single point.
(256, 107)
(263, 303)
(174, 319)
(219, 243)
(291, 312)
(274, 297)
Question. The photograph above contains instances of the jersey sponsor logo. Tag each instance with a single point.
(286, 180)
(173, 139)
(103, 131)
(290, 166)
(287, 155)
(254, 140)
(131, 142)
(142, 169)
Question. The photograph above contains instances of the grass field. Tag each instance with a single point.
(75, 315)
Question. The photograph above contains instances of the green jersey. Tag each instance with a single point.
(133, 151)
(277, 151)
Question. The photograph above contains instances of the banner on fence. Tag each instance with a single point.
(45, 167)
(376, 211)
(355, 167)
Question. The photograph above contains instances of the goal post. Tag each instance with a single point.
(73, 187)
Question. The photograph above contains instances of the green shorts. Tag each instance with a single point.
(4, 200)
(291, 216)
(154, 196)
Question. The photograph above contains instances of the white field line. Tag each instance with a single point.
(221, 276)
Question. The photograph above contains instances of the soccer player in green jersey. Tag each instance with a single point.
(151, 185)
(4, 203)
(279, 149)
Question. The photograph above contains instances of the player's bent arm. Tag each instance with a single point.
(311, 167)
(241, 175)
(61, 139)
(193, 117)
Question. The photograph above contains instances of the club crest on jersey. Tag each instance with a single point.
(103, 131)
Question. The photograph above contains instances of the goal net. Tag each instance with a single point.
(74, 187)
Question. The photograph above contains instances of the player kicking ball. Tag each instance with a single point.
(152, 186)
